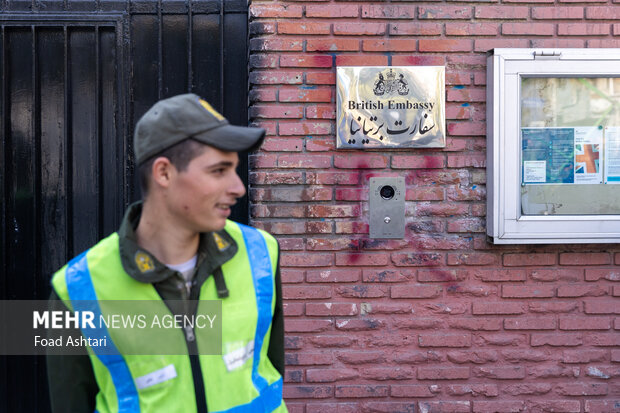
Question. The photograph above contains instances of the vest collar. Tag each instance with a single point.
(214, 249)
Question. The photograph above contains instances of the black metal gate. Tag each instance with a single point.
(75, 77)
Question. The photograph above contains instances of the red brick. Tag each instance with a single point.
(306, 260)
(331, 275)
(399, 308)
(360, 161)
(582, 290)
(500, 373)
(444, 12)
(553, 307)
(275, 77)
(424, 194)
(415, 291)
(293, 376)
(262, 27)
(601, 406)
(321, 78)
(443, 373)
(475, 193)
(305, 60)
(362, 291)
(473, 258)
(291, 244)
(313, 94)
(501, 12)
(262, 95)
(264, 10)
(389, 45)
(556, 12)
(415, 29)
(552, 371)
(559, 43)
(330, 408)
(437, 275)
(416, 161)
(472, 29)
(373, 11)
(330, 375)
(273, 144)
(528, 29)
(320, 111)
(413, 390)
(600, 43)
(357, 357)
(304, 128)
(445, 45)
(303, 27)
(585, 323)
(417, 357)
(601, 307)
(418, 60)
(458, 111)
(615, 356)
(583, 356)
(476, 324)
(308, 359)
(360, 324)
(441, 209)
(293, 309)
(467, 95)
(281, 227)
(417, 323)
(278, 211)
(351, 228)
(331, 341)
(517, 260)
(467, 225)
(581, 389)
(264, 61)
(528, 291)
(417, 259)
(445, 406)
(484, 45)
(487, 390)
(498, 406)
(384, 275)
(331, 309)
(567, 406)
(361, 60)
(603, 340)
(470, 290)
(276, 178)
(497, 308)
(458, 78)
(320, 143)
(571, 275)
(285, 45)
(583, 29)
(307, 326)
(332, 45)
(291, 194)
(557, 340)
(585, 258)
(332, 178)
(304, 161)
(444, 340)
(346, 259)
(318, 227)
(356, 29)
(517, 356)
(538, 323)
(603, 13)
(332, 10)
(291, 276)
(501, 275)
(351, 194)
(357, 391)
(308, 392)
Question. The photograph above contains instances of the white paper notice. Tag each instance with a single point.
(588, 147)
(612, 155)
(535, 171)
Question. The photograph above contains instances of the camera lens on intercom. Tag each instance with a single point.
(387, 192)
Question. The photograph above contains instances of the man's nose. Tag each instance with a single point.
(237, 188)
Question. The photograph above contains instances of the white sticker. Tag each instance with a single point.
(156, 377)
(237, 358)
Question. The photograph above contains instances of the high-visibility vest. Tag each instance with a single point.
(251, 385)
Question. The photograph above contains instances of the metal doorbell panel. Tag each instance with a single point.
(387, 207)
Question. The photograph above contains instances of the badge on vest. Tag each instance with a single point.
(221, 243)
(156, 377)
(144, 262)
(237, 358)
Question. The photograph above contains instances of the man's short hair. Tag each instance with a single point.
(179, 155)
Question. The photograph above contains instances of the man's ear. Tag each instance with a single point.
(162, 171)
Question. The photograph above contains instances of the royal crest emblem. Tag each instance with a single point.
(144, 262)
(389, 84)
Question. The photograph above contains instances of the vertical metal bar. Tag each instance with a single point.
(36, 156)
(3, 167)
(98, 135)
(221, 108)
(160, 50)
(190, 26)
(68, 149)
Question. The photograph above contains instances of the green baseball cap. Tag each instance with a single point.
(175, 119)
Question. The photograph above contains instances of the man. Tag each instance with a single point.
(177, 244)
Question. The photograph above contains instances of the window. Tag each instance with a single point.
(553, 133)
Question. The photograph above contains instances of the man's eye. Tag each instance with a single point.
(219, 171)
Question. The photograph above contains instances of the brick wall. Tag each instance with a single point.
(442, 320)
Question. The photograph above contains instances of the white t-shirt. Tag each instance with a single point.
(186, 269)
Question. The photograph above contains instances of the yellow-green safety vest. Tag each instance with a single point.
(251, 385)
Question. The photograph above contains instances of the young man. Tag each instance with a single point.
(178, 245)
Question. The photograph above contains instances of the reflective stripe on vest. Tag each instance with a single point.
(83, 298)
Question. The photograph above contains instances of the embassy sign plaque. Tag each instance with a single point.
(391, 107)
